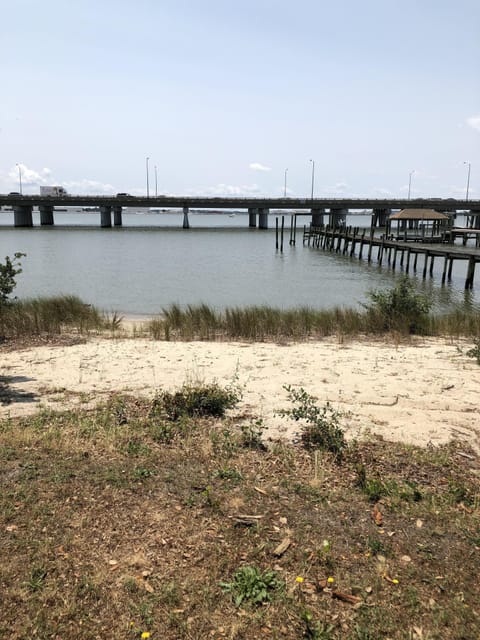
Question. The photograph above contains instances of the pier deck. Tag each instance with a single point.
(349, 240)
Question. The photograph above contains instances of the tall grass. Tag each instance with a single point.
(48, 316)
(258, 323)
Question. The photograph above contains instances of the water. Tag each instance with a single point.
(152, 262)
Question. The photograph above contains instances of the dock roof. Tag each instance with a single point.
(419, 214)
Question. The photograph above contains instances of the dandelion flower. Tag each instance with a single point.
(395, 581)
(145, 634)
(299, 579)
(330, 580)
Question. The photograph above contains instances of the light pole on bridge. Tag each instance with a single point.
(20, 178)
(410, 182)
(156, 182)
(468, 178)
(146, 168)
(313, 175)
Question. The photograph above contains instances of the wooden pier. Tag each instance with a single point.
(353, 241)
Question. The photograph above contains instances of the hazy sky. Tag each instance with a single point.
(224, 95)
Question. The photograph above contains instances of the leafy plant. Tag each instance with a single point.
(8, 271)
(252, 434)
(401, 308)
(321, 425)
(316, 630)
(251, 585)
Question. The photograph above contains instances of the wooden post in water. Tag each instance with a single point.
(432, 260)
(470, 273)
(444, 273)
(281, 235)
(450, 267)
(424, 275)
(276, 233)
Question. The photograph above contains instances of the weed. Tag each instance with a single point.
(375, 546)
(140, 473)
(252, 434)
(251, 585)
(321, 428)
(228, 473)
(37, 579)
(316, 630)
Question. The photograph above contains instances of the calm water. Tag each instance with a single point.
(152, 262)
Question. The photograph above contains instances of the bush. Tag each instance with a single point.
(474, 352)
(321, 425)
(199, 400)
(401, 308)
(8, 271)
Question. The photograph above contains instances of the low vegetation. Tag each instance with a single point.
(133, 520)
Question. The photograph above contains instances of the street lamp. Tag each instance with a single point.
(285, 184)
(146, 167)
(468, 178)
(20, 177)
(410, 182)
(313, 175)
(156, 183)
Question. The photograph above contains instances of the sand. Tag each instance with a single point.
(424, 391)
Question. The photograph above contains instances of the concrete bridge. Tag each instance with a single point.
(331, 211)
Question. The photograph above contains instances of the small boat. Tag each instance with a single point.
(232, 215)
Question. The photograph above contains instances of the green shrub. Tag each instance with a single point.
(401, 308)
(199, 400)
(474, 352)
(8, 271)
(321, 425)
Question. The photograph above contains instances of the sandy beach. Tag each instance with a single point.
(424, 391)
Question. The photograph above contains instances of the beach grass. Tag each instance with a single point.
(50, 316)
(257, 323)
(129, 521)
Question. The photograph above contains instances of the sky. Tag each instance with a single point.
(241, 97)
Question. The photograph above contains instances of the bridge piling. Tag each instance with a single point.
(252, 217)
(117, 216)
(46, 214)
(263, 218)
(105, 216)
(186, 221)
(22, 215)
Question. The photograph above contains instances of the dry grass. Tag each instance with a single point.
(118, 521)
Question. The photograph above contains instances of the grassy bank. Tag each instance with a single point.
(203, 322)
(48, 316)
(149, 517)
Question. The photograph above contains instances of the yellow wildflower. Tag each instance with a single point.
(395, 581)
(330, 580)
(145, 634)
(299, 579)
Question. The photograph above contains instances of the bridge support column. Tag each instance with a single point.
(379, 217)
(186, 222)
(338, 217)
(317, 217)
(22, 215)
(252, 217)
(46, 214)
(117, 216)
(263, 218)
(105, 216)
(474, 219)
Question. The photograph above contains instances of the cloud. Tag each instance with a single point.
(30, 177)
(474, 122)
(88, 187)
(256, 166)
(226, 190)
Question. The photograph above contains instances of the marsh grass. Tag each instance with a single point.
(263, 323)
(108, 531)
(55, 315)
